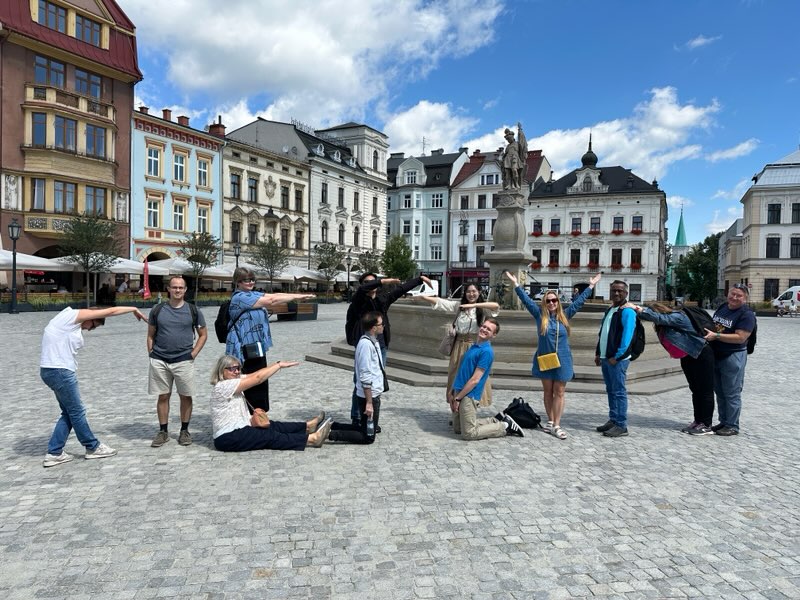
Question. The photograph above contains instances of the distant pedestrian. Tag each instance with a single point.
(172, 347)
(123, 287)
(62, 339)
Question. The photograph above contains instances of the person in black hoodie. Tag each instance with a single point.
(371, 297)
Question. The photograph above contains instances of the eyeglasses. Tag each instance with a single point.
(234, 368)
(551, 301)
(741, 286)
(250, 280)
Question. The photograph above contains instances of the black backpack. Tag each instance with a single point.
(638, 341)
(523, 414)
(700, 319)
(222, 323)
(751, 341)
(157, 309)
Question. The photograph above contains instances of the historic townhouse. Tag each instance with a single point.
(418, 203)
(176, 183)
(344, 171)
(770, 240)
(67, 71)
(473, 213)
(598, 219)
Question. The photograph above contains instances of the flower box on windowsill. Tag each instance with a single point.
(593, 266)
(552, 265)
(594, 232)
(554, 233)
(536, 233)
(535, 266)
(575, 233)
(636, 267)
(574, 266)
(616, 267)
(616, 231)
(636, 231)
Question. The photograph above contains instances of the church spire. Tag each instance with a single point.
(680, 237)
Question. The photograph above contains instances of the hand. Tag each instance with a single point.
(612, 361)
(633, 306)
(710, 335)
(466, 306)
(594, 280)
(511, 278)
(426, 280)
(138, 314)
(369, 410)
(596, 361)
(285, 364)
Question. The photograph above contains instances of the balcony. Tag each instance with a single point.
(469, 264)
(47, 224)
(73, 100)
(482, 237)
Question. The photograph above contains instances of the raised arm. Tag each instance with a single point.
(268, 300)
(260, 376)
(577, 304)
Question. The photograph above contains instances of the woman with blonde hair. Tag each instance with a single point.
(552, 322)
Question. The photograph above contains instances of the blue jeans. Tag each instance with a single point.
(64, 384)
(614, 376)
(728, 383)
(355, 413)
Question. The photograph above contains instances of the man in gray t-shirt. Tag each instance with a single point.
(172, 347)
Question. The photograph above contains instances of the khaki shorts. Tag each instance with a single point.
(163, 374)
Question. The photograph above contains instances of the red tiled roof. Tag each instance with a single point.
(121, 55)
(534, 164)
(470, 168)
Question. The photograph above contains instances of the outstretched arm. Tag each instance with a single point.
(87, 314)
(268, 300)
(260, 376)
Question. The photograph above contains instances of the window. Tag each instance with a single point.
(636, 256)
(481, 230)
(374, 239)
(153, 213)
(341, 197)
(406, 227)
(586, 186)
(437, 200)
(202, 172)
(39, 122)
(355, 201)
(88, 84)
(66, 130)
(95, 200)
(236, 186)
(619, 223)
(495, 200)
(236, 230)
(464, 202)
(436, 227)
(537, 226)
(95, 141)
(87, 30)
(178, 212)
(796, 212)
(594, 224)
(436, 253)
(481, 200)
(153, 161)
(794, 248)
(356, 236)
(773, 214)
(252, 233)
(616, 256)
(416, 252)
(576, 224)
(52, 16)
(407, 201)
(298, 240)
(48, 72)
(374, 160)
(285, 197)
(594, 256)
(537, 256)
(491, 179)
(636, 292)
(179, 167)
(773, 247)
(324, 194)
(462, 254)
(341, 234)
(555, 225)
(298, 200)
(771, 288)
(324, 229)
(411, 177)
(636, 222)
(553, 257)
(252, 189)
(202, 219)
(374, 205)
(574, 257)
(64, 197)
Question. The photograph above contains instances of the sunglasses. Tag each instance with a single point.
(551, 301)
(234, 369)
(741, 286)
(250, 280)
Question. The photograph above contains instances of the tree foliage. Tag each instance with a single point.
(397, 261)
(269, 256)
(329, 258)
(696, 273)
(370, 261)
(90, 241)
(201, 251)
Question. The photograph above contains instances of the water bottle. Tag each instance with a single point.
(370, 427)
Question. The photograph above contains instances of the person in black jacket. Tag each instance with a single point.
(371, 297)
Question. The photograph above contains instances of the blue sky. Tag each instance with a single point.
(698, 94)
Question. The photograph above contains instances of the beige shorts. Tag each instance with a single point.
(162, 375)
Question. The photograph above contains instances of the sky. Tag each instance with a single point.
(699, 95)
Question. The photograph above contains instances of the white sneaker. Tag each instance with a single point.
(102, 451)
(51, 460)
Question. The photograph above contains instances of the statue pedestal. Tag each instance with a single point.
(509, 240)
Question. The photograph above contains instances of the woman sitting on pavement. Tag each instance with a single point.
(230, 419)
(552, 323)
(471, 310)
(678, 337)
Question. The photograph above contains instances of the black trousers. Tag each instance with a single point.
(699, 374)
(357, 434)
(258, 396)
(278, 436)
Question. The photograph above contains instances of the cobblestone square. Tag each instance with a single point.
(419, 514)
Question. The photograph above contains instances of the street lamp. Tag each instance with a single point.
(237, 250)
(463, 226)
(14, 230)
(348, 261)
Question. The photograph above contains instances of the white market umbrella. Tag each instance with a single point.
(29, 261)
(181, 266)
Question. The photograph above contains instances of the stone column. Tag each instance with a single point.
(508, 254)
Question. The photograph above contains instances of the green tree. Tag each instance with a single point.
(329, 257)
(201, 251)
(90, 241)
(397, 261)
(696, 273)
(370, 261)
(270, 257)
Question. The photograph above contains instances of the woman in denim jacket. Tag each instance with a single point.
(678, 337)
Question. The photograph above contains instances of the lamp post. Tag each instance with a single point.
(237, 250)
(14, 230)
(348, 261)
(463, 226)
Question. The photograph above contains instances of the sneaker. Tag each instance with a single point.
(605, 426)
(701, 429)
(616, 431)
(727, 431)
(717, 427)
(513, 428)
(102, 451)
(185, 438)
(51, 460)
(162, 437)
(690, 426)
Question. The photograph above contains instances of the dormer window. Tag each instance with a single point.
(411, 177)
(352, 162)
(587, 184)
(319, 150)
(337, 156)
(52, 16)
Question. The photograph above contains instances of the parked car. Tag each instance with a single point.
(424, 289)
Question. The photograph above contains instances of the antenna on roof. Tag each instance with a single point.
(423, 145)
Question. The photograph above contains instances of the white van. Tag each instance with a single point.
(790, 297)
(425, 290)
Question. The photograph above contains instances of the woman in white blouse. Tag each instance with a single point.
(470, 311)
(230, 419)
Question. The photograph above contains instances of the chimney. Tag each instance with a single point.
(437, 152)
(463, 149)
(183, 120)
(144, 110)
(167, 114)
(476, 153)
(397, 155)
(217, 129)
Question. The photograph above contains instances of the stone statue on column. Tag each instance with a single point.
(513, 161)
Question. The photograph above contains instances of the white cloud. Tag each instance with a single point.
(743, 149)
(679, 202)
(701, 41)
(735, 193)
(723, 220)
(322, 62)
(437, 122)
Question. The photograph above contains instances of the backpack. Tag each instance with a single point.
(222, 322)
(637, 343)
(699, 318)
(751, 341)
(157, 309)
(523, 414)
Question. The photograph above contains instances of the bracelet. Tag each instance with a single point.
(718, 335)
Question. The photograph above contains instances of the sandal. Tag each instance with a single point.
(548, 427)
(556, 431)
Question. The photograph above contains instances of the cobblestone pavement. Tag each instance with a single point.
(419, 514)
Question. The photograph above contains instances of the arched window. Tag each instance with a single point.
(374, 239)
(587, 184)
(324, 228)
(356, 236)
(374, 160)
(341, 234)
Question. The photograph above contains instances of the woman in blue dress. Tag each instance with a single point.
(552, 320)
